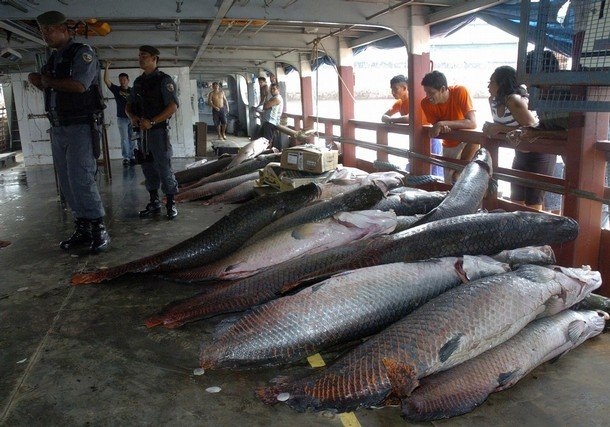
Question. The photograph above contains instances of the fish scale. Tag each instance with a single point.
(340, 309)
(218, 240)
(477, 316)
(475, 234)
(464, 387)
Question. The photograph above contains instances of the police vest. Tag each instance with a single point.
(148, 95)
(69, 103)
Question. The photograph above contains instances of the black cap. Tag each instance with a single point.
(51, 17)
(150, 49)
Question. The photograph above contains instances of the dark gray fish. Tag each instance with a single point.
(188, 176)
(246, 167)
(541, 255)
(467, 194)
(411, 202)
(360, 198)
(217, 241)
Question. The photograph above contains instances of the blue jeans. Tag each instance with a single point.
(127, 145)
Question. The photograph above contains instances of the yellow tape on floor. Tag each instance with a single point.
(348, 419)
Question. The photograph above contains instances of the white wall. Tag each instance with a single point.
(34, 126)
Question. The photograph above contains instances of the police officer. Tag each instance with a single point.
(70, 81)
(152, 102)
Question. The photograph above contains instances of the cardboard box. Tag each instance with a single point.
(309, 158)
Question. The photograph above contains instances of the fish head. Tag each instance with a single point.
(588, 323)
(483, 158)
(557, 228)
(582, 280)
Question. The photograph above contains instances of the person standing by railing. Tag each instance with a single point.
(449, 108)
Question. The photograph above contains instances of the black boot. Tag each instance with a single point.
(153, 207)
(100, 240)
(172, 212)
(81, 236)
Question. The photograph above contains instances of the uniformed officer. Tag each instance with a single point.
(73, 101)
(152, 102)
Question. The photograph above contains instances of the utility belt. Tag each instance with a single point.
(58, 120)
(160, 125)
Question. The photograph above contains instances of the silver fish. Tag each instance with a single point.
(451, 328)
(344, 307)
(462, 388)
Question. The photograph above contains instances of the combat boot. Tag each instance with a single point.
(153, 207)
(81, 236)
(100, 240)
(172, 212)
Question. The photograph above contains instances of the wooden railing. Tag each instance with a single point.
(330, 130)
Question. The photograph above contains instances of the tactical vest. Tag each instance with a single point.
(148, 95)
(70, 104)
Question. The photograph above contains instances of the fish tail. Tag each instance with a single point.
(268, 395)
(402, 377)
(153, 321)
(94, 276)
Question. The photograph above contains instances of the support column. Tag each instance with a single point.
(418, 46)
(346, 100)
(306, 92)
(585, 169)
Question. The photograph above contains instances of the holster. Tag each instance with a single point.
(96, 135)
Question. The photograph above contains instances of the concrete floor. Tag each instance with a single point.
(82, 355)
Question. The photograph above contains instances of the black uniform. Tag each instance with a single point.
(151, 94)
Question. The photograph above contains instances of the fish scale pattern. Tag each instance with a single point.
(340, 309)
(464, 387)
(456, 326)
(484, 233)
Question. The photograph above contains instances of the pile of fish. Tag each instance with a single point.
(440, 304)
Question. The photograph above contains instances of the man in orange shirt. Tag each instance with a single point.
(400, 92)
(449, 108)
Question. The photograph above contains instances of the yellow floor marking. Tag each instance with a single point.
(348, 419)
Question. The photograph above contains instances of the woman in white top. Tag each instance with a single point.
(509, 108)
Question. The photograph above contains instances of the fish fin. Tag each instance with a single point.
(402, 377)
(449, 348)
(154, 320)
(508, 379)
(267, 395)
(87, 277)
(308, 281)
(306, 231)
(225, 324)
(576, 329)
(553, 305)
(459, 269)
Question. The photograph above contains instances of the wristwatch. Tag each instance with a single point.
(152, 122)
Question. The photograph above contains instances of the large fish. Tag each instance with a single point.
(541, 255)
(191, 175)
(467, 194)
(476, 234)
(594, 302)
(217, 241)
(241, 193)
(312, 237)
(356, 199)
(249, 151)
(342, 308)
(451, 328)
(213, 188)
(248, 166)
(462, 388)
(411, 201)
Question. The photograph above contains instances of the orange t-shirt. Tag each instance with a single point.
(400, 106)
(457, 106)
